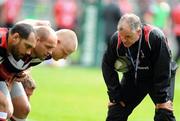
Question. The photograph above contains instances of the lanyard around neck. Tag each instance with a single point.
(137, 58)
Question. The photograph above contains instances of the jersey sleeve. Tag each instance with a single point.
(161, 61)
(110, 75)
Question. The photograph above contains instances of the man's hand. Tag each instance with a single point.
(121, 103)
(167, 105)
(5, 74)
(20, 77)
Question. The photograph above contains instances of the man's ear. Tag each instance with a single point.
(58, 41)
(139, 31)
(38, 40)
(15, 38)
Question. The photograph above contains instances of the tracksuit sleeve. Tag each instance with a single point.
(161, 58)
(110, 75)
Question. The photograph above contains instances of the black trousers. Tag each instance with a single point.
(178, 49)
(132, 95)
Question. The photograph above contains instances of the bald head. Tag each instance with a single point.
(46, 41)
(44, 32)
(68, 39)
(67, 44)
(131, 21)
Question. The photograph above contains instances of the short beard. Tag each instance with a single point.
(15, 53)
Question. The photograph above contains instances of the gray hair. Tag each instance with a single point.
(132, 20)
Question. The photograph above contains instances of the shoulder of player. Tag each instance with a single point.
(153, 31)
(36, 61)
(114, 39)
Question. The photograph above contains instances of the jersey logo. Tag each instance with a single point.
(20, 64)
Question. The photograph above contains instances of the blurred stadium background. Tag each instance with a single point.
(73, 89)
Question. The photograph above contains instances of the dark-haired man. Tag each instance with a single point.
(46, 42)
(15, 44)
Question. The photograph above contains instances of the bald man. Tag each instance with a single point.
(67, 43)
(46, 42)
(64, 37)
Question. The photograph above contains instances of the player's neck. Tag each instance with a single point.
(33, 55)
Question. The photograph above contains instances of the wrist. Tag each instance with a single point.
(114, 97)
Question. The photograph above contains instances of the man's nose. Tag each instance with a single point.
(123, 40)
(65, 57)
(28, 52)
(50, 52)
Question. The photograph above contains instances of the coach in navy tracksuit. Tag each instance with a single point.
(141, 53)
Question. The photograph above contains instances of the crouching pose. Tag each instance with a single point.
(67, 43)
(142, 54)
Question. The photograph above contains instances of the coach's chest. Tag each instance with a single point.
(137, 58)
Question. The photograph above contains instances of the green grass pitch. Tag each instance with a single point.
(79, 94)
